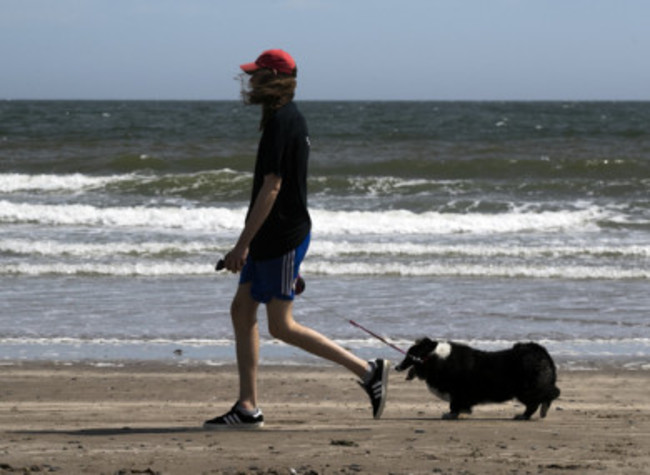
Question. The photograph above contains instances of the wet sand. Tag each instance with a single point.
(146, 418)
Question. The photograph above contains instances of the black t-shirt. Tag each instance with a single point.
(284, 151)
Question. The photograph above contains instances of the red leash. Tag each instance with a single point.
(380, 338)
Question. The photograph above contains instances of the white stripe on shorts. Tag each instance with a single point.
(288, 262)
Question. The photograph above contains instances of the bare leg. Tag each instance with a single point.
(243, 312)
(283, 327)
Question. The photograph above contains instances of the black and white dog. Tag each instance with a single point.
(465, 376)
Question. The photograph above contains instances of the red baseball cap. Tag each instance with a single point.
(275, 59)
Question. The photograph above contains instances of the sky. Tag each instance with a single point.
(345, 49)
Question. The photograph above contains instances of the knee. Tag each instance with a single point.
(280, 330)
(236, 309)
(242, 315)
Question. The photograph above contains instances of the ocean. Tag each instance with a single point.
(481, 222)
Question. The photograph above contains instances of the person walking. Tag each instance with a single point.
(273, 244)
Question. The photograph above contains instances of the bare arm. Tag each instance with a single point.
(262, 206)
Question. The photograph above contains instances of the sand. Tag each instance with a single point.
(146, 418)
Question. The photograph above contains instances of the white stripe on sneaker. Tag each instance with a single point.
(232, 419)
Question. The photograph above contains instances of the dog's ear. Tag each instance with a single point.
(411, 373)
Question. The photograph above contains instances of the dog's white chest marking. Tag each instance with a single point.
(442, 351)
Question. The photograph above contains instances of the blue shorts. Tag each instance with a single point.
(274, 278)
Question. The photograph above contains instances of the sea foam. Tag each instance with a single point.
(324, 248)
(13, 182)
(326, 267)
(326, 222)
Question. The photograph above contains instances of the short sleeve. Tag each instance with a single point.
(272, 146)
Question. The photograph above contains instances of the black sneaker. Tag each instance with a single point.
(377, 387)
(235, 419)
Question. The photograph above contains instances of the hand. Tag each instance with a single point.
(235, 259)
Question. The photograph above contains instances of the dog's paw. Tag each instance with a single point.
(450, 416)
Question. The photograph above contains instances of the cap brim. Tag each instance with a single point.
(249, 67)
